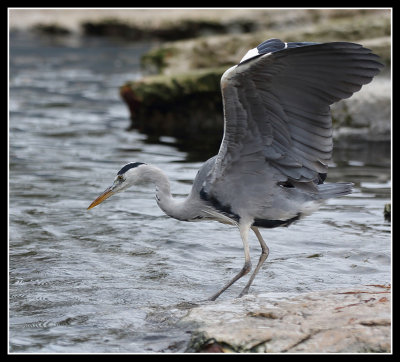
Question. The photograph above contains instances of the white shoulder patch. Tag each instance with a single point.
(250, 54)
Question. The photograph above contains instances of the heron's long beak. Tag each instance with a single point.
(105, 195)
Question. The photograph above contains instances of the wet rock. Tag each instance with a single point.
(337, 321)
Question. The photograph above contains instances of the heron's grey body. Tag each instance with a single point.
(273, 160)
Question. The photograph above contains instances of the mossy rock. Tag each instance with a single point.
(156, 60)
(186, 106)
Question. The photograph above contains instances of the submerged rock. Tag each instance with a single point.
(353, 320)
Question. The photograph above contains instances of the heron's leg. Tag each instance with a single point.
(244, 233)
(263, 257)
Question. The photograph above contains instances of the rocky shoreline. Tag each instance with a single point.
(356, 320)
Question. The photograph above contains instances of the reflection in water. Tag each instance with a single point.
(118, 278)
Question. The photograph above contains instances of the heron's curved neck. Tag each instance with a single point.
(164, 198)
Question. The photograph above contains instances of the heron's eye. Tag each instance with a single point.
(120, 178)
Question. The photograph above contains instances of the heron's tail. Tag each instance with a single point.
(328, 190)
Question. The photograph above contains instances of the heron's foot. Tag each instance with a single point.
(243, 292)
(214, 297)
(246, 268)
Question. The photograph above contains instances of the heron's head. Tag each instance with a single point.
(127, 176)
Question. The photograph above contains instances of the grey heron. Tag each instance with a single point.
(272, 163)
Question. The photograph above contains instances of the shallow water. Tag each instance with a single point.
(117, 278)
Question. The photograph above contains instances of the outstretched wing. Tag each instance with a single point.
(276, 103)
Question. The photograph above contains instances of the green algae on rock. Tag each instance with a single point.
(186, 106)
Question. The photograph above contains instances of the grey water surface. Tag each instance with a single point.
(119, 277)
